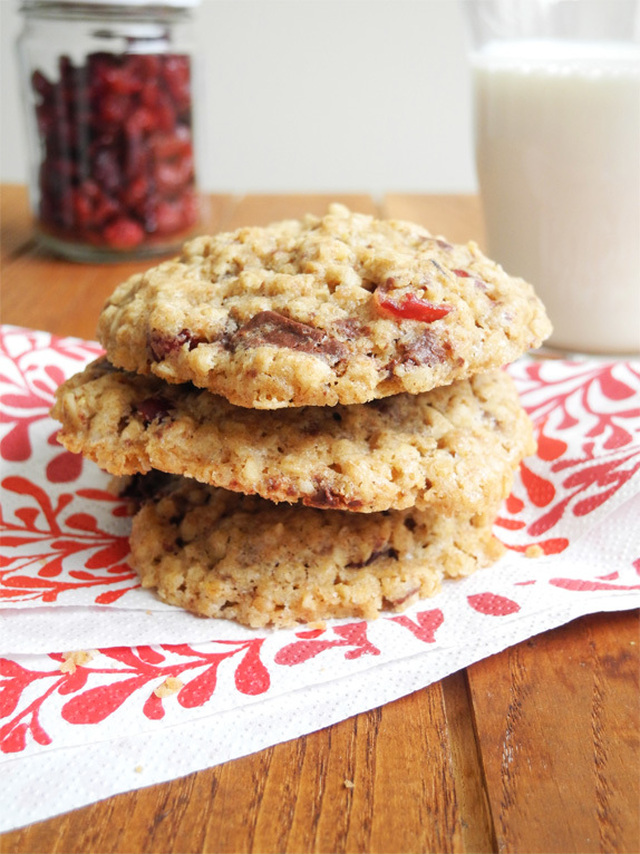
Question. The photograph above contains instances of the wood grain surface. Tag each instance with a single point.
(532, 750)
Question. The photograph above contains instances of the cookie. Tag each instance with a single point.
(454, 448)
(221, 554)
(340, 309)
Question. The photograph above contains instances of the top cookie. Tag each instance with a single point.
(340, 309)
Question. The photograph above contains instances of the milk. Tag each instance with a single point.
(558, 159)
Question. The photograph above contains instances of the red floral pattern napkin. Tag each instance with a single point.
(87, 655)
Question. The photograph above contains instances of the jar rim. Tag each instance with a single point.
(33, 5)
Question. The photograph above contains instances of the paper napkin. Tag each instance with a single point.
(87, 655)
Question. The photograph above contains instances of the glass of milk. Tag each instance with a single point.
(557, 133)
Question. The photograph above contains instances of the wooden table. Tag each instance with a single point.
(532, 750)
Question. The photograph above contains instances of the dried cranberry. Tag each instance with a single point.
(83, 208)
(146, 67)
(153, 409)
(178, 79)
(164, 114)
(114, 109)
(408, 307)
(117, 167)
(120, 81)
(124, 233)
(173, 175)
(41, 85)
(140, 121)
(135, 192)
(169, 217)
(106, 170)
(105, 209)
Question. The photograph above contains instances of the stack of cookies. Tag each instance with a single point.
(313, 416)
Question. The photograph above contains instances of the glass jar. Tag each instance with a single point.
(110, 125)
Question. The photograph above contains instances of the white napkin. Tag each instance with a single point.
(86, 654)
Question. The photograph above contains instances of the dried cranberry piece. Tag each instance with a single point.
(173, 146)
(83, 208)
(169, 217)
(164, 114)
(171, 176)
(120, 80)
(106, 170)
(463, 274)
(134, 193)
(41, 85)
(124, 233)
(142, 120)
(113, 109)
(145, 66)
(154, 409)
(408, 307)
(177, 77)
(91, 207)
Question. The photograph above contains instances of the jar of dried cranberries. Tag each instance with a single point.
(109, 101)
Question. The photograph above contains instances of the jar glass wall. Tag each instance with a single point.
(107, 88)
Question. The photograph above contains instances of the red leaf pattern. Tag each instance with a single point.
(96, 704)
(582, 585)
(153, 708)
(38, 524)
(588, 447)
(493, 604)
(48, 539)
(251, 676)
(124, 675)
(425, 625)
(353, 637)
(26, 388)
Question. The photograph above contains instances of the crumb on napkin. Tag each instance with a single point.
(75, 659)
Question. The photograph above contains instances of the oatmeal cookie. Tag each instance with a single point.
(220, 554)
(454, 448)
(344, 309)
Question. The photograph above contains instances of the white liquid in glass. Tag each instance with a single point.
(558, 157)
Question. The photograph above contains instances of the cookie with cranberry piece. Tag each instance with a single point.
(220, 554)
(455, 447)
(345, 308)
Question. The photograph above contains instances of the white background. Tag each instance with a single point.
(313, 95)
